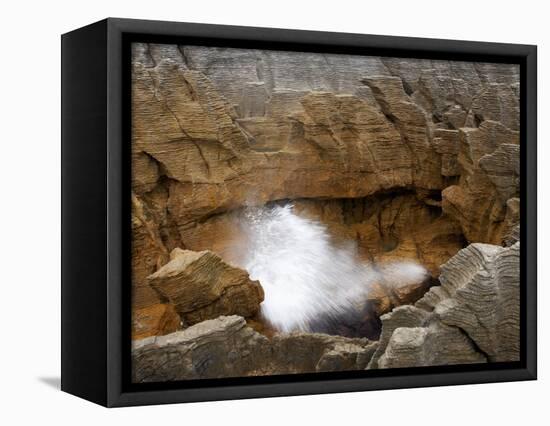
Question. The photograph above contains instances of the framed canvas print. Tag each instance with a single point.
(253, 212)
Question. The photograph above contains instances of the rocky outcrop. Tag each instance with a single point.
(406, 158)
(436, 344)
(148, 254)
(202, 286)
(482, 283)
(226, 347)
(216, 129)
(404, 316)
(472, 317)
(489, 178)
(154, 320)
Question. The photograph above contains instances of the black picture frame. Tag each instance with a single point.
(96, 214)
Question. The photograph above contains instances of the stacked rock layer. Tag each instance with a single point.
(408, 158)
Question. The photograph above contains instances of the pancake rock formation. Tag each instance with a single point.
(472, 317)
(399, 160)
(404, 157)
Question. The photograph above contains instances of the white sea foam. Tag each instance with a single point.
(305, 277)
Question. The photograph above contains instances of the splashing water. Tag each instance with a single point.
(305, 277)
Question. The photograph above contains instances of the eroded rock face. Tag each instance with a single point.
(155, 320)
(489, 163)
(436, 344)
(215, 129)
(202, 286)
(484, 302)
(226, 347)
(403, 316)
(472, 317)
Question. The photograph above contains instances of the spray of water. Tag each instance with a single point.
(305, 277)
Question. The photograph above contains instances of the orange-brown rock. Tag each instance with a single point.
(148, 254)
(396, 290)
(389, 227)
(407, 158)
(202, 286)
(224, 136)
(155, 320)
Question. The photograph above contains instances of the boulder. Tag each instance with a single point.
(202, 286)
(226, 347)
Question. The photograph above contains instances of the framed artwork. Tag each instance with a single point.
(253, 212)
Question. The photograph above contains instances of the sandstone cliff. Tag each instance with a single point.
(406, 158)
(409, 158)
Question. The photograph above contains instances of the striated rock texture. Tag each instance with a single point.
(408, 158)
(472, 317)
(202, 286)
(226, 347)
(436, 344)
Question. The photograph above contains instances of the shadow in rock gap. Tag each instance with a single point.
(361, 323)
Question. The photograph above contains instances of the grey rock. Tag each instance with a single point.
(502, 168)
(485, 301)
(473, 317)
(436, 344)
(226, 347)
(512, 237)
(402, 316)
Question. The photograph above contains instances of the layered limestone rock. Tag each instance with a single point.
(436, 344)
(406, 158)
(489, 178)
(482, 282)
(226, 347)
(202, 286)
(472, 317)
(403, 316)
